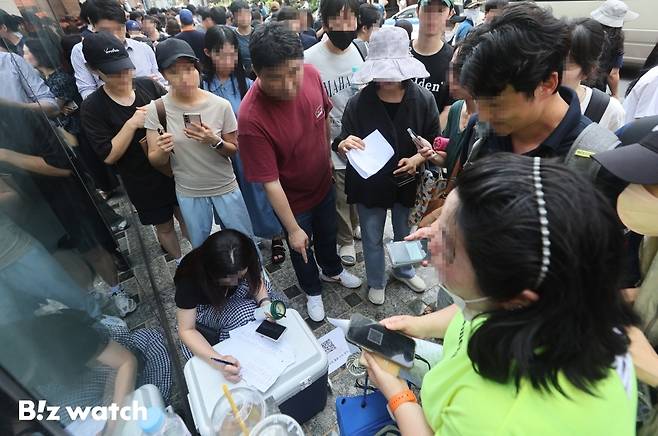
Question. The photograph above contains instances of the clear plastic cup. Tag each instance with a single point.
(251, 408)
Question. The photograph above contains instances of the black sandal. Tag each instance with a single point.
(278, 251)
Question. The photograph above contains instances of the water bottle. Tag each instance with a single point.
(163, 423)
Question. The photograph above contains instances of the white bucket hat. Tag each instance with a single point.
(389, 58)
(613, 13)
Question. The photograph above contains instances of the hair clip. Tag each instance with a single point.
(543, 222)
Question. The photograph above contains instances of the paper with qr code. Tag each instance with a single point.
(335, 345)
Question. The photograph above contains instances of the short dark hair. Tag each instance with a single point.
(172, 28)
(224, 254)
(577, 326)
(217, 15)
(153, 11)
(136, 15)
(256, 15)
(273, 44)
(587, 38)
(495, 4)
(522, 47)
(42, 52)
(105, 10)
(190, 7)
(332, 8)
(369, 15)
(237, 5)
(287, 13)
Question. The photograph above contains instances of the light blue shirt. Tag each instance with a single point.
(227, 89)
(141, 55)
(21, 83)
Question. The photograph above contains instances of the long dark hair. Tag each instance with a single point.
(587, 38)
(577, 326)
(223, 255)
(215, 39)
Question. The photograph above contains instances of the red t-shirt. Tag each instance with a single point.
(287, 140)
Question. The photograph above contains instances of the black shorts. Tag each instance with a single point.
(157, 216)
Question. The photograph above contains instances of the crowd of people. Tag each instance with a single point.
(541, 215)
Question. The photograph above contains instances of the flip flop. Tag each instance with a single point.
(347, 255)
(278, 251)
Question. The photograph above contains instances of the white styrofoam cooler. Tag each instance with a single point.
(304, 378)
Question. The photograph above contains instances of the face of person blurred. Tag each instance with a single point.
(388, 86)
(121, 82)
(29, 57)
(148, 27)
(294, 25)
(512, 111)
(208, 23)
(242, 18)
(284, 81)
(449, 256)
(183, 77)
(345, 21)
(491, 14)
(432, 19)
(367, 34)
(116, 29)
(225, 59)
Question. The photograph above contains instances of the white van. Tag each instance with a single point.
(640, 35)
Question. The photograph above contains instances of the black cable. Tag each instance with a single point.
(416, 356)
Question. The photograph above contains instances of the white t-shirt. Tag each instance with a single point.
(642, 101)
(613, 117)
(336, 71)
(199, 171)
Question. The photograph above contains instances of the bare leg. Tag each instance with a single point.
(181, 223)
(168, 238)
(103, 265)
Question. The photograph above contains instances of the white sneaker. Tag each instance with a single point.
(415, 283)
(376, 296)
(315, 307)
(345, 278)
(124, 303)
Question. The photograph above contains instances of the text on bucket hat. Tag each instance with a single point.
(389, 58)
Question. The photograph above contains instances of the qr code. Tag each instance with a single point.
(328, 346)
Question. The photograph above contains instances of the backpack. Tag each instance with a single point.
(593, 139)
(362, 47)
(597, 105)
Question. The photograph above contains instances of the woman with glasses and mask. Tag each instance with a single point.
(536, 343)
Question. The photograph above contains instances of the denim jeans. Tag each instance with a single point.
(229, 211)
(319, 224)
(372, 235)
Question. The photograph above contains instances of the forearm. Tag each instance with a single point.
(411, 420)
(613, 81)
(120, 143)
(644, 357)
(228, 149)
(279, 202)
(435, 324)
(197, 344)
(124, 383)
(34, 164)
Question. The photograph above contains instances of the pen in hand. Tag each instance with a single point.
(225, 362)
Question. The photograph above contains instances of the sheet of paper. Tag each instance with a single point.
(343, 325)
(335, 345)
(369, 161)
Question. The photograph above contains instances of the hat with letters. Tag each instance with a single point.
(103, 51)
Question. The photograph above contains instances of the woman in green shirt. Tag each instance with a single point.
(536, 342)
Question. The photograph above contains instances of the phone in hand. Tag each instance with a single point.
(414, 138)
(404, 253)
(189, 118)
(374, 337)
(270, 330)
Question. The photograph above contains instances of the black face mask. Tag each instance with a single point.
(341, 38)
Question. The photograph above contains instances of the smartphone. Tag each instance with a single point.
(414, 138)
(374, 337)
(270, 330)
(71, 105)
(404, 253)
(189, 118)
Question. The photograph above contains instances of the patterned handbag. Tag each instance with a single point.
(430, 185)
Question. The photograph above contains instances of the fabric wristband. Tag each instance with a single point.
(406, 396)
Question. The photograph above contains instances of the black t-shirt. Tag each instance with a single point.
(102, 118)
(188, 294)
(195, 39)
(437, 83)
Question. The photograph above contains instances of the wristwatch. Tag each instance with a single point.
(218, 145)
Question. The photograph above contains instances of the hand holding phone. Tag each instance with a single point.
(191, 118)
(404, 253)
(374, 337)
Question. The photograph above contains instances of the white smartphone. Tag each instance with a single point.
(189, 118)
(404, 253)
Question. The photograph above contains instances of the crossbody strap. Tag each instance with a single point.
(162, 113)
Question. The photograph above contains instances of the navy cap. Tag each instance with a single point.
(634, 163)
(170, 50)
(132, 25)
(103, 51)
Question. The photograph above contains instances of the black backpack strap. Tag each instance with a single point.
(597, 105)
(362, 47)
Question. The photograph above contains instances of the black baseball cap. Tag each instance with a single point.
(103, 51)
(634, 163)
(170, 50)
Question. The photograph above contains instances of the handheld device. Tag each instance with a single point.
(404, 253)
(189, 118)
(374, 337)
(270, 330)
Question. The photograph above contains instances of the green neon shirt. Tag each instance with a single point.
(458, 401)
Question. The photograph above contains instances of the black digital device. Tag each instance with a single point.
(270, 330)
(374, 337)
